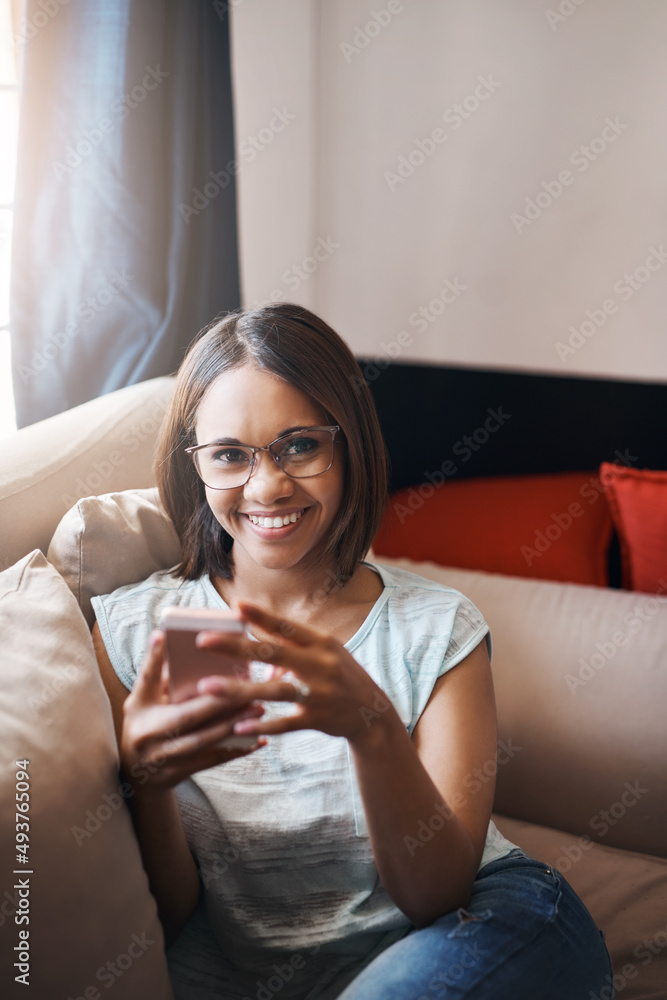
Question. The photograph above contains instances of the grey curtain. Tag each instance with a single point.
(125, 239)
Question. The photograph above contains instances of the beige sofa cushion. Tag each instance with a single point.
(105, 542)
(89, 900)
(103, 445)
(625, 892)
(581, 687)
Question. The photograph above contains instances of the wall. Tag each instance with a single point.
(402, 143)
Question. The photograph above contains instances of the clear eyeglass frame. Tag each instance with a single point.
(194, 450)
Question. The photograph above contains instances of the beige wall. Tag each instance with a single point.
(543, 87)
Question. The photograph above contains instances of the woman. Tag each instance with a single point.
(343, 855)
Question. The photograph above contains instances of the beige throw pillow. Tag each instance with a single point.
(76, 916)
(108, 541)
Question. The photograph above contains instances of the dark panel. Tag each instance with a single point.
(489, 423)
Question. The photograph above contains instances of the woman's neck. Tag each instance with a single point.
(316, 599)
(294, 591)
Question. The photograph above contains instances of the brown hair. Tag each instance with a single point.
(288, 341)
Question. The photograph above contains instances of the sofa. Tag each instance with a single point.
(580, 674)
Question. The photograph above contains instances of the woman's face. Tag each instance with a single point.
(255, 408)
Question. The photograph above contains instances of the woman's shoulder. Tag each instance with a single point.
(163, 580)
(127, 616)
(146, 598)
(417, 607)
(407, 583)
(423, 629)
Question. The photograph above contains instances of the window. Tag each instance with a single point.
(9, 110)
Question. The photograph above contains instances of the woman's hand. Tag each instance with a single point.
(163, 743)
(334, 695)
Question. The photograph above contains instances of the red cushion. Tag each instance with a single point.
(555, 527)
(638, 502)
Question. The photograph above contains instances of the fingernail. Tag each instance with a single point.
(155, 640)
(201, 637)
(252, 713)
(244, 727)
(211, 685)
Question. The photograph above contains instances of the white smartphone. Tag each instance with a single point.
(187, 663)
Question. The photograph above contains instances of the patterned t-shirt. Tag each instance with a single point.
(280, 836)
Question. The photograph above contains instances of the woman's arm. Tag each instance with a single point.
(155, 755)
(410, 786)
(427, 827)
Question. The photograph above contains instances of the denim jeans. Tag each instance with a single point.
(524, 935)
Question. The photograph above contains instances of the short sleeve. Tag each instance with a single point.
(423, 630)
(463, 629)
(128, 616)
(468, 629)
(124, 666)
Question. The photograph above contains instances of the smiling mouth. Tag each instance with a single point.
(275, 522)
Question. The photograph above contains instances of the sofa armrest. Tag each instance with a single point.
(102, 446)
(580, 683)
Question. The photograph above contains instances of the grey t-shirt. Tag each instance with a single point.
(281, 836)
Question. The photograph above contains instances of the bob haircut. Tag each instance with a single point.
(290, 342)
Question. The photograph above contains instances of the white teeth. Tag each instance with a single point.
(275, 522)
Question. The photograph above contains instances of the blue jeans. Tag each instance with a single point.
(525, 935)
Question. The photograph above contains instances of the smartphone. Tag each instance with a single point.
(187, 663)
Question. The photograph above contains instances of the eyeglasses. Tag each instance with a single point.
(300, 454)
